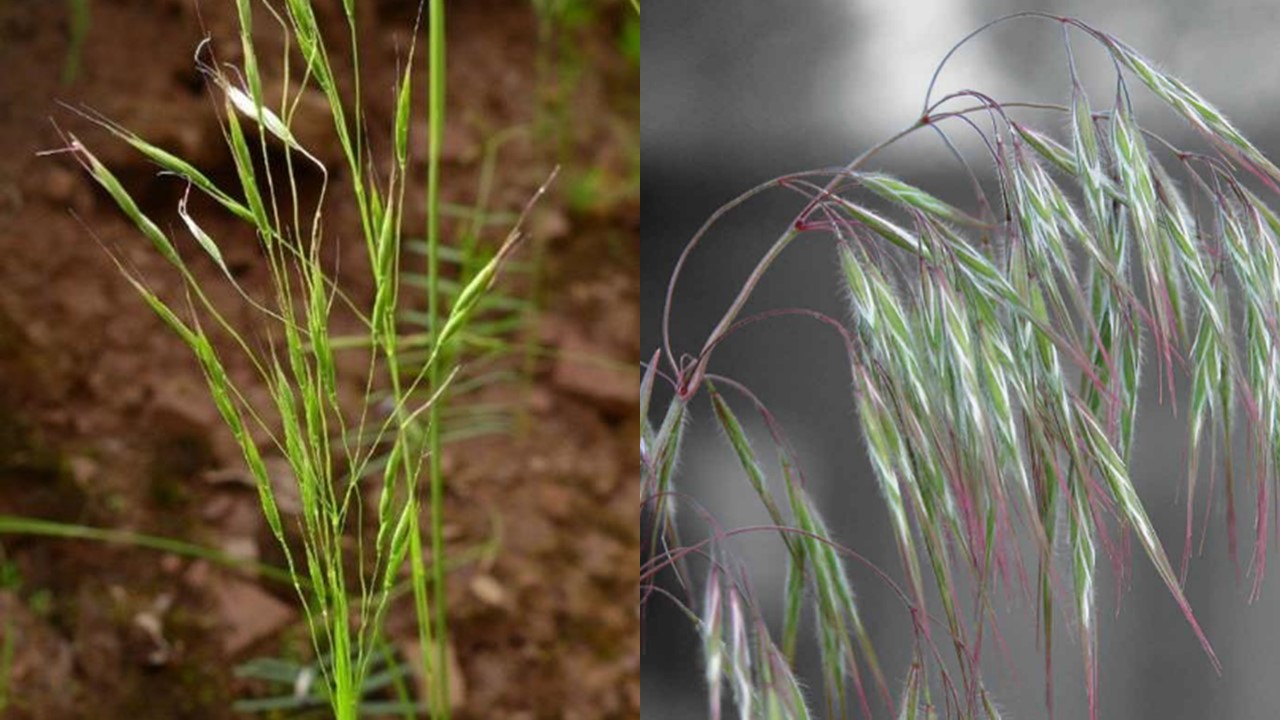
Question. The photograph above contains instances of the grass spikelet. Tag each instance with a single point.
(893, 189)
(108, 181)
(1048, 148)
(838, 610)
(1057, 155)
(1162, 279)
(1084, 560)
(740, 656)
(647, 435)
(1198, 111)
(202, 237)
(796, 562)
(884, 228)
(267, 119)
(1113, 471)
(808, 551)
(168, 162)
(887, 455)
(783, 698)
(713, 642)
(1179, 228)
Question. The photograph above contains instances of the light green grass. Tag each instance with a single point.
(995, 359)
(291, 349)
(15, 525)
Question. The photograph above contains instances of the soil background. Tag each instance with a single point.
(104, 420)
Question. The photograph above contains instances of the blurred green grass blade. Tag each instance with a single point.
(15, 525)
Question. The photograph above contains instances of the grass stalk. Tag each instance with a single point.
(437, 665)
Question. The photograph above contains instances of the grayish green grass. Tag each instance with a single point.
(995, 360)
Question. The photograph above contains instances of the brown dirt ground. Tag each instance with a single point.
(104, 421)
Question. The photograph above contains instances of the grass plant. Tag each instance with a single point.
(994, 355)
(345, 578)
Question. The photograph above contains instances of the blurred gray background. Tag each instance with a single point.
(737, 92)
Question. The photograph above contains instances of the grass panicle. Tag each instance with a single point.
(995, 361)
